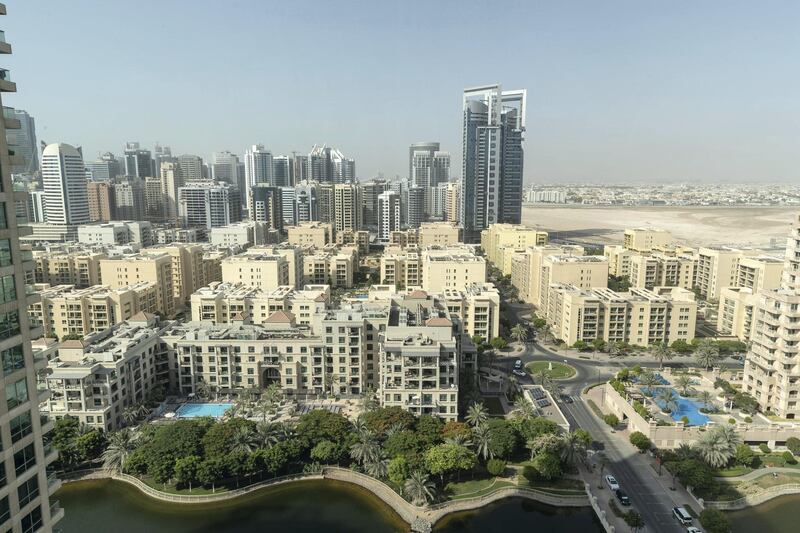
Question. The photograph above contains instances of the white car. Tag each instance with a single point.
(518, 372)
(693, 529)
(611, 481)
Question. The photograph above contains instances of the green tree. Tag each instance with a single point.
(120, 445)
(429, 430)
(381, 419)
(243, 439)
(519, 333)
(482, 439)
(326, 452)
(612, 420)
(707, 354)
(661, 351)
(445, 459)
(186, 469)
(366, 449)
(418, 488)
(476, 414)
(496, 466)
(499, 343)
(744, 455)
(573, 448)
(504, 439)
(454, 428)
(718, 445)
(714, 521)
(641, 441)
(402, 443)
(681, 347)
(322, 424)
(793, 445)
(211, 470)
(399, 470)
(90, 445)
(546, 465)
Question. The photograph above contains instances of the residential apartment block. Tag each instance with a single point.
(659, 270)
(123, 271)
(317, 234)
(77, 267)
(643, 240)
(498, 237)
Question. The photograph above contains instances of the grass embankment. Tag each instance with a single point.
(559, 370)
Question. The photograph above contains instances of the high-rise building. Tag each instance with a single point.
(281, 171)
(388, 214)
(326, 164)
(305, 201)
(372, 189)
(347, 207)
(26, 487)
(191, 167)
(102, 201)
(207, 204)
(23, 141)
(225, 167)
(415, 208)
(266, 205)
(138, 162)
(129, 195)
(36, 207)
(161, 154)
(300, 167)
(171, 180)
(105, 168)
(771, 371)
(494, 124)
(288, 206)
(428, 168)
(257, 167)
(64, 180)
(452, 202)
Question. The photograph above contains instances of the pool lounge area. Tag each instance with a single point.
(198, 410)
(686, 407)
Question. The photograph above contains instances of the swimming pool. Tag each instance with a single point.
(197, 410)
(686, 407)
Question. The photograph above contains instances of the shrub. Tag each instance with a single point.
(641, 410)
(714, 521)
(634, 520)
(748, 420)
(744, 455)
(789, 458)
(611, 420)
(731, 421)
(640, 440)
(685, 420)
(496, 466)
(764, 448)
(793, 444)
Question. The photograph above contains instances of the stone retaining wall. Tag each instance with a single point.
(756, 498)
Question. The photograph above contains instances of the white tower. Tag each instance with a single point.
(64, 180)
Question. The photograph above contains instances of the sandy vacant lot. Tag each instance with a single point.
(742, 226)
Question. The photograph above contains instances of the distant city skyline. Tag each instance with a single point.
(632, 92)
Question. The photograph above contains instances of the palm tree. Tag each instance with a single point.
(482, 438)
(120, 445)
(519, 333)
(264, 408)
(706, 397)
(718, 445)
(476, 414)
(203, 390)
(616, 349)
(684, 451)
(266, 435)
(377, 469)
(397, 427)
(243, 440)
(573, 448)
(666, 400)
(524, 409)
(366, 450)
(129, 415)
(368, 401)
(285, 431)
(661, 351)
(707, 353)
(684, 383)
(648, 379)
(418, 488)
(272, 394)
(459, 439)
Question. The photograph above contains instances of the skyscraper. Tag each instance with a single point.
(305, 199)
(138, 162)
(171, 180)
(300, 164)
(64, 181)
(389, 214)
(494, 124)
(23, 142)
(415, 214)
(129, 195)
(26, 487)
(207, 204)
(161, 154)
(225, 167)
(105, 168)
(281, 171)
(266, 205)
(257, 167)
(191, 167)
(329, 165)
(100, 195)
(428, 168)
(288, 206)
(372, 190)
(347, 207)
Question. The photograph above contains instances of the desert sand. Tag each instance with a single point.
(763, 227)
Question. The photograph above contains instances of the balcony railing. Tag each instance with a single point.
(5, 74)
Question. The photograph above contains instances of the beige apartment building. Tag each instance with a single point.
(316, 234)
(96, 379)
(187, 269)
(77, 267)
(451, 268)
(291, 252)
(716, 269)
(640, 317)
(643, 240)
(526, 268)
(658, 270)
(512, 236)
(334, 266)
(619, 259)
(441, 234)
(221, 303)
(736, 312)
(772, 366)
(123, 271)
(359, 238)
(401, 268)
(478, 306)
(212, 264)
(758, 273)
(65, 310)
(264, 270)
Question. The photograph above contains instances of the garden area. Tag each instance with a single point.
(422, 458)
(555, 369)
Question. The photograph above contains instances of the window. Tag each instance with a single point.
(5, 510)
(21, 426)
(16, 393)
(13, 359)
(28, 491)
(24, 459)
(32, 521)
(5, 252)
(3, 221)
(8, 292)
(9, 324)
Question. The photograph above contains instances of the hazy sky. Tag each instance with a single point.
(617, 90)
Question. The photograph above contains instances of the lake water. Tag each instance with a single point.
(309, 506)
(775, 516)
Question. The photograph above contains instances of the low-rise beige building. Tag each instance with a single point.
(451, 268)
(643, 240)
(478, 307)
(759, 273)
(187, 269)
(64, 310)
(619, 259)
(659, 270)
(402, 268)
(123, 271)
(526, 268)
(265, 270)
(334, 266)
(639, 317)
(736, 312)
(512, 236)
(316, 234)
(78, 267)
(358, 238)
(291, 252)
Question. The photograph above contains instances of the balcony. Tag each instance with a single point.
(47, 424)
(50, 454)
(43, 395)
(5, 48)
(9, 117)
(53, 483)
(6, 85)
(56, 512)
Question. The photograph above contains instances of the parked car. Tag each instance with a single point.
(682, 515)
(598, 445)
(518, 363)
(622, 497)
(518, 372)
(692, 529)
(611, 481)
(567, 399)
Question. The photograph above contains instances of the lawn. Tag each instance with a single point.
(559, 370)
(556, 486)
(734, 471)
(473, 488)
(768, 480)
